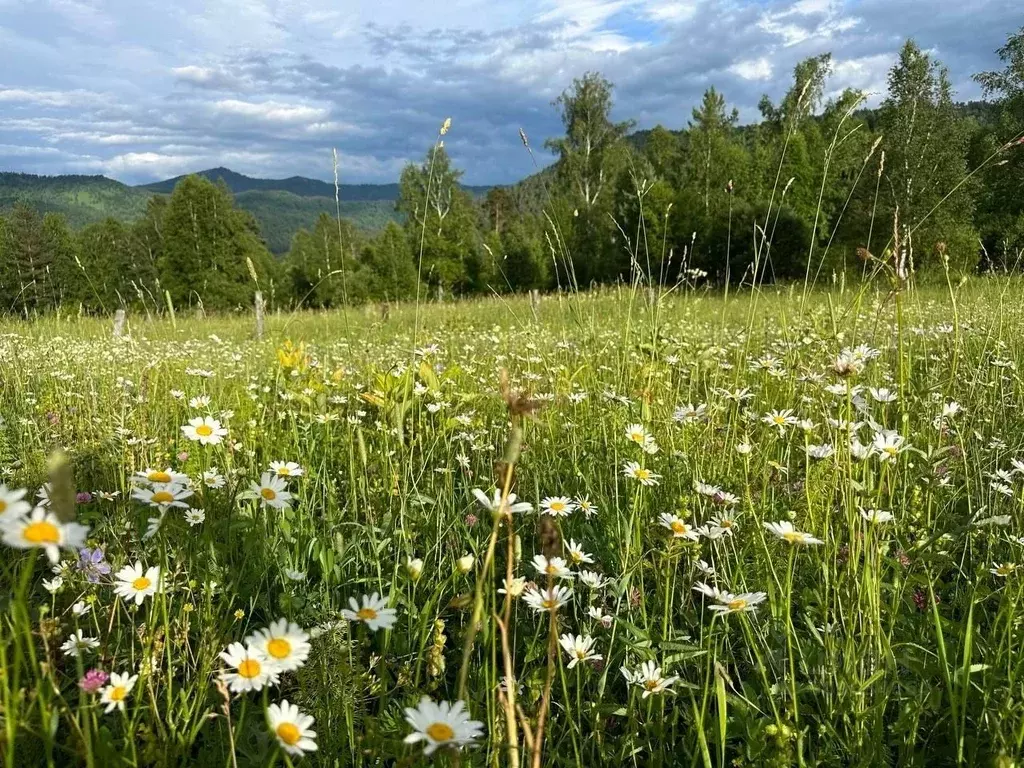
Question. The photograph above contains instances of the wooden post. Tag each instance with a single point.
(119, 323)
(259, 314)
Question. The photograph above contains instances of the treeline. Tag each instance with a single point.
(821, 186)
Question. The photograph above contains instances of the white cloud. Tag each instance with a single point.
(753, 69)
(270, 111)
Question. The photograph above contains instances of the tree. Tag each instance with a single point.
(925, 144)
(440, 215)
(714, 158)
(207, 245)
(322, 264)
(391, 263)
(590, 147)
(1001, 193)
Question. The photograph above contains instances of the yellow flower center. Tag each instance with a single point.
(440, 732)
(549, 603)
(141, 583)
(650, 685)
(367, 614)
(162, 497)
(1004, 570)
(279, 648)
(724, 523)
(736, 605)
(643, 474)
(793, 537)
(268, 493)
(780, 420)
(3, 506)
(284, 471)
(679, 527)
(118, 693)
(551, 570)
(288, 733)
(557, 506)
(636, 437)
(158, 477)
(204, 430)
(249, 668)
(41, 532)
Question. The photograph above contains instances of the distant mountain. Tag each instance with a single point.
(296, 185)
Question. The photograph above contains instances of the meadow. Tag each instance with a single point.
(767, 528)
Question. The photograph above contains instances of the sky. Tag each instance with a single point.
(141, 90)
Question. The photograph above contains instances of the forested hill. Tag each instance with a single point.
(281, 206)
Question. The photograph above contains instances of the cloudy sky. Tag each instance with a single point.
(145, 89)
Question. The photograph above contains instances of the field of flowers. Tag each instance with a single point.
(774, 529)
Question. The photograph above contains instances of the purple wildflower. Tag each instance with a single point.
(83, 497)
(93, 563)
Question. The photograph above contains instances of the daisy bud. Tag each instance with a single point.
(414, 567)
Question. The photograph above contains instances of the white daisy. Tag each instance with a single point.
(115, 693)
(205, 430)
(135, 584)
(785, 531)
(42, 529)
(284, 642)
(291, 728)
(250, 668)
(270, 491)
(580, 648)
(441, 724)
(374, 612)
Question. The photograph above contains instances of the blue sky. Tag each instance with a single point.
(145, 89)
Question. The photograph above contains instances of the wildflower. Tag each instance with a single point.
(53, 585)
(80, 608)
(374, 612)
(163, 495)
(557, 506)
(194, 517)
(580, 648)
(820, 451)
(882, 395)
(441, 724)
(1003, 570)
(679, 527)
(12, 503)
(648, 677)
(133, 583)
(585, 506)
(205, 430)
(592, 580)
(780, 419)
(291, 728)
(744, 449)
(92, 562)
(78, 644)
(42, 529)
(161, 477)
(876, 515)
(269, 491)
(115, 694)
(93, 680)
(252, 669)
(994, 520)
(283, 642)
(414, 567)
(888, 445)
(465, 563)
(286, 469)
(554, 567)
(785, 531)
(513, 588)
(727, 602)
(577, 555)
(642, 475)
(214, 480)
(293, 575)
(544, 600)
(635, 433)
(598, 615)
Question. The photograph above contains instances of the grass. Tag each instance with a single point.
(889, 643)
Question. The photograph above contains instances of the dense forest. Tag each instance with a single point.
(819, 188)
